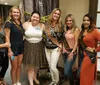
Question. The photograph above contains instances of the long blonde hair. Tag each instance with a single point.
(59, 22)
(10, 12)
(74, 26)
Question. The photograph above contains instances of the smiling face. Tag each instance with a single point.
(69, 22)
(35, 19)
(15, 14)
(56, 15)
(86, 22)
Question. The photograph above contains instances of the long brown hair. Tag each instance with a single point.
(59, 22)
(73, 21)
(92, 23)
(10, 12)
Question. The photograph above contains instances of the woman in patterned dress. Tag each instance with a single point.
(33, 46)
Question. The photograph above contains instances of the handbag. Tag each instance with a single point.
(66, 54)
(92, 55)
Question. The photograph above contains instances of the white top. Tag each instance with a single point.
(33, 34)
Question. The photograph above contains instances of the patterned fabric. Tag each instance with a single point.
(48, 42)
(34, 55)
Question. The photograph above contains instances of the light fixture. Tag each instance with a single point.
(6, 3)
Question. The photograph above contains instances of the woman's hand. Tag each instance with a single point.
(7, 44)
(10, 53)
(60, 47)
(48, 33)
(70, 56)
(90, 49)
(65, 51)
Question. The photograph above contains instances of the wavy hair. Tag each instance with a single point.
(10, 12)
(59, 22)
(92, 23)
(37, 12)
(74, 26)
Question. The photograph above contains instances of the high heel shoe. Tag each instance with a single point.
(14, 84)
(18, 83)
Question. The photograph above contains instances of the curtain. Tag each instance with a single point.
(43, 6)
(4, 10)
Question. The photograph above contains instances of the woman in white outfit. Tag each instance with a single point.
(33, 46)
(53, 35)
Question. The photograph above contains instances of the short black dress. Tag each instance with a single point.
(16, 37)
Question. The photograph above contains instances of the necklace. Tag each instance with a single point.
(37, 28)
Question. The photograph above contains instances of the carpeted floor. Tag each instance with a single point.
(44, 79)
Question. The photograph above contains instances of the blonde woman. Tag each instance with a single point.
(14, 35)
(53, 32)
(69, 46)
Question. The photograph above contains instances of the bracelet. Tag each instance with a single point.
(59, 46)
(73, 52)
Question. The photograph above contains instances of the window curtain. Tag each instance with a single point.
(43, 6)
(4, 10)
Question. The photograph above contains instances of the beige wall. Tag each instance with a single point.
(76, 7)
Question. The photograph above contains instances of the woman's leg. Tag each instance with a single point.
(68, 69)
(19, 62)
(4, 65)
(53, 65)
(4, 68)
(30, 72)
(13, 70)
(35, 76)
(48, 57)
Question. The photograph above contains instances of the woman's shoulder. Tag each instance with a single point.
(26, 24)
(77, 29)
(8, 24)
(42, 26)
(95, 31)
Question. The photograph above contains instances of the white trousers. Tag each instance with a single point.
(52, 56)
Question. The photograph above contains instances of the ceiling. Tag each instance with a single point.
(10, 2)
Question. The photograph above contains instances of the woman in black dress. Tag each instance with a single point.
(14, 35)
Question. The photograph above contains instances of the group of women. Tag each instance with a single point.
(51, 40)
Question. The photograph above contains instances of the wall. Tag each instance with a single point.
(76, 7)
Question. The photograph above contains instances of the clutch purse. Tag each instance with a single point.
(92, 55)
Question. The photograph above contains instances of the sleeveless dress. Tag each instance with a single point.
(34, 54)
